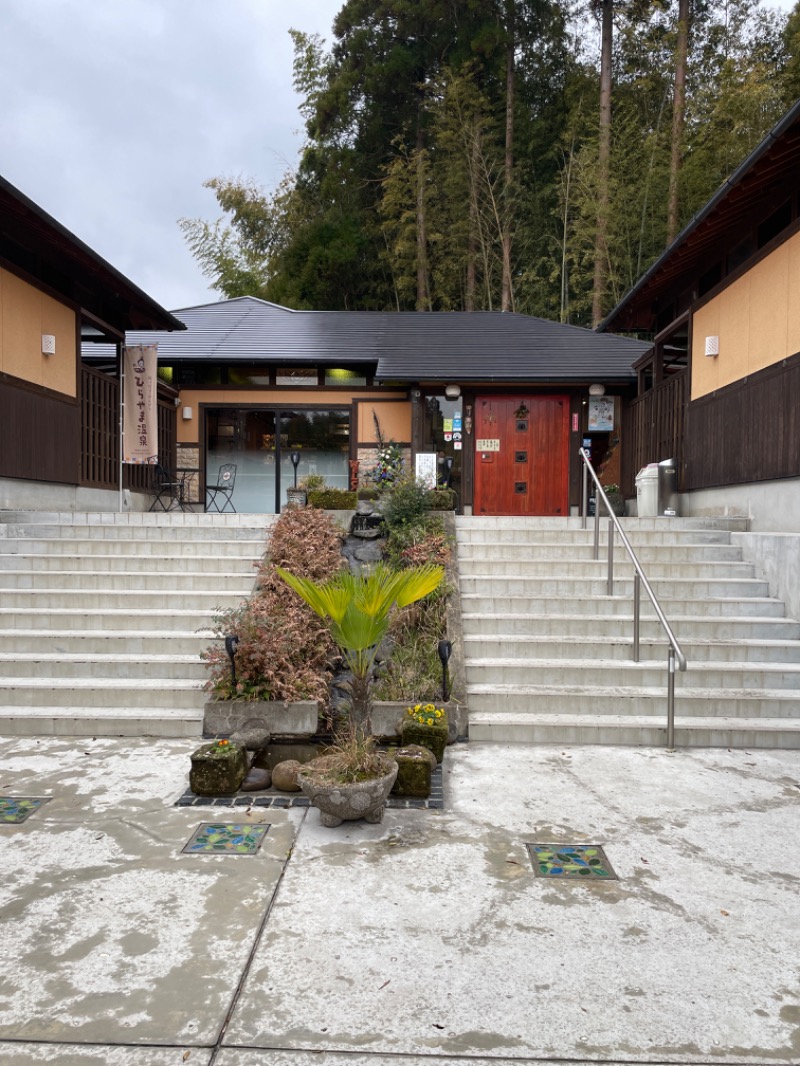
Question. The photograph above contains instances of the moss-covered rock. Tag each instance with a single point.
(414, 766)
(433, 737)
(218, 769)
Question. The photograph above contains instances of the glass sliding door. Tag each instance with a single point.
(260, 441)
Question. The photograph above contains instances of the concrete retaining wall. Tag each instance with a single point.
(776, 557)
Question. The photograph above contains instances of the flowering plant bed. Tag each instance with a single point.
(426, 725)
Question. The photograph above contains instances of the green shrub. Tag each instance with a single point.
(367, 494)
(332, 500)
(404, 503)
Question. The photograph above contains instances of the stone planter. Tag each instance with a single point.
(283, 720)
(296, 497)
(616, 502)
(387, 719)
(432, 737)
(347, 802)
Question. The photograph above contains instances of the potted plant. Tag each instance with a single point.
(616, 500)
(357, 610)
(425, 724)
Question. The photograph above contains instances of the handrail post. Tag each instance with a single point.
(596, 527)
(637, 595)
(584, 494)
(671, 701)
(610, 582)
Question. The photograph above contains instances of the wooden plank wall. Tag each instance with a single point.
(654, 428)
(748, 431)
(39, 436)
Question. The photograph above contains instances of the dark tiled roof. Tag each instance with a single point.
(404, 346)
(73, 269)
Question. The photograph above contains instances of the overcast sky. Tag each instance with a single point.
(114, 112)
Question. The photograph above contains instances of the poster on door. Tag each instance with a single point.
(601, 414)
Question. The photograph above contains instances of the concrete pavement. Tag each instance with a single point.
(427, 938)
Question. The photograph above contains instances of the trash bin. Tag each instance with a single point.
(647, 491)
(668, 488)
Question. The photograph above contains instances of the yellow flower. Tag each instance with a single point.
(430, 721)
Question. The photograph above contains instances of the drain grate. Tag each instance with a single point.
(571, 860)
(15, 809)
(228, 837)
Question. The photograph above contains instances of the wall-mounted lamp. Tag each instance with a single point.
(48, 344)
(295, 458)
(597, 390)
(452, 392)
(187, 414)
(712, 346)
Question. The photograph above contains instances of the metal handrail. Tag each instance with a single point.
(675, 652)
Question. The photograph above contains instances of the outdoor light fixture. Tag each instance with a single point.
(597, 390)
(48, 344)
(712, 346)
(295, 457)
(187, 414)
(452, 392)
(445, 648)
(231, 643)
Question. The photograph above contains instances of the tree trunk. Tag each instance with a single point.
(423, 287)
(603, 163)
(678, 116)
(472, 239)
(507, 295)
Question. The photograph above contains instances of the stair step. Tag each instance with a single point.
(635, 730)
(92, 692)
(99, 665)
(591, 647)
(617, 699)
(523, 553)
(76, 721)
(152, 547)
(95, 563)
(571, 606)
(152, 621)
(590, 586)
(487, 671)
(104, 642)
(576, 627)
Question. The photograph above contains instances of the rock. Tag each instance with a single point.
(284, 776)
(371, 552)
(256, 780)
(217, 771)
(365, 507)
(414, 767)
(418, 751)
(253, 735)
(428, 736)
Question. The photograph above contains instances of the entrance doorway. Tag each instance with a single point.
(261, 441)
(521, 455)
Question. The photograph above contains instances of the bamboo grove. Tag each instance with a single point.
(522, 155)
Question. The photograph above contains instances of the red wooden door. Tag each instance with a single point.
(521, 455)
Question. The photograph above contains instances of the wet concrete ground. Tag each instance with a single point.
(428, 937)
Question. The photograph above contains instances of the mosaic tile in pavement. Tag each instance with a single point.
(587, 861)
(283, 800)
(15, 809)
(232, 838)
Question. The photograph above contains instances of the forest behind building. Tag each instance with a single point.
(520, 155)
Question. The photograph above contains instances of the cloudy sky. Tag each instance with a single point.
(114, 113)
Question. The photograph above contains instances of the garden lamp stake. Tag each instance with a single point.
(445, 648)
(231, 643)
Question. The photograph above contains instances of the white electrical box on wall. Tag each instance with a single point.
(48, 344)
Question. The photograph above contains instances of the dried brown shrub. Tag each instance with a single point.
(285, 651)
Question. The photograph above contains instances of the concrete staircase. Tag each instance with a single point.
(548, 652)
(103, 617)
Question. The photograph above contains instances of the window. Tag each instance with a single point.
(339, 376)
(296, 375)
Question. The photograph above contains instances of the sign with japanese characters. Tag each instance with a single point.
(426, 468)
(140, 417)
(487, 444)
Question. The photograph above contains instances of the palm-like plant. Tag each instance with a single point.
(358, 611)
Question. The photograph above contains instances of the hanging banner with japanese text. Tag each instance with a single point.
(140, 422)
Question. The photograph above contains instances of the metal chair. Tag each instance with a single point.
(226, 479)
(168, 489)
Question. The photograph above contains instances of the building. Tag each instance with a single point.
(59, 419)
(719, 387)
(497, 404)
